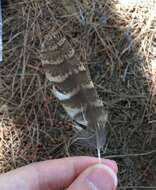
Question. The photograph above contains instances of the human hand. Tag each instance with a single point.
(74, 173)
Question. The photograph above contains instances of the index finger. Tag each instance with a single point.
(67, 169)
(53, 174)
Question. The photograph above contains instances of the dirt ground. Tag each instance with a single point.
(117, 39)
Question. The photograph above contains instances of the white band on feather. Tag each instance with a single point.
(103, 117)
(82, 122)
(45, 62)
(80, 68)
(88, 86)
(72, 111)
(58, 61)
(97, 103)
(77, 127)
(59, 78)
(62, 96)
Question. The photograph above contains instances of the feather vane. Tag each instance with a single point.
(72, 84)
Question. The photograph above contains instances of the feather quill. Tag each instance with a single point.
(72, 85)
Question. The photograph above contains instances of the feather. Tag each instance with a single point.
(72, 84)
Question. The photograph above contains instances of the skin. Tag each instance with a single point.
(52, 174)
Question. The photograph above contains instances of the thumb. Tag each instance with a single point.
(97, 177)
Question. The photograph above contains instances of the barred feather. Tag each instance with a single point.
(72, 84)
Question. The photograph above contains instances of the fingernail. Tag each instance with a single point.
(112, 164)
(102, 177)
